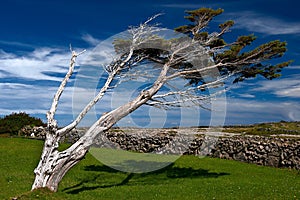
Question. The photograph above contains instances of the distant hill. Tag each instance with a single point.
(271, 128)
(12, 123)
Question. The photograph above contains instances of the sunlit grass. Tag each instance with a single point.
(188, 178)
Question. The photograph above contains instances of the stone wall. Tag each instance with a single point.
(269, 151)
(39, 132)
(34, 132)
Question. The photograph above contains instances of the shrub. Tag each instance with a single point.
(14, 122)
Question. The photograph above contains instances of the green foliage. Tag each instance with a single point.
(121, 45)
(232, 58)
(200, 17)
(14, 122)
(188, 178)
(244, 64)
(226, 25)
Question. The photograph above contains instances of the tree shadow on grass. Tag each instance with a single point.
(150, 178)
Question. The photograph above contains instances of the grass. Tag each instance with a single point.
(188, 178)
(272, 128)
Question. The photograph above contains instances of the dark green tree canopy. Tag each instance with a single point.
(245, 64)
(231, 58)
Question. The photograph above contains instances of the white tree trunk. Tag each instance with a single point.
(54, 164)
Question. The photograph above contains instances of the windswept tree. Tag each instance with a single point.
(204, 60)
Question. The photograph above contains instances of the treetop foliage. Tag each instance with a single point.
(230, 58)
(245, 64)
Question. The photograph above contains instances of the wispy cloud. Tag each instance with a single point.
(29, 81)
(39, 64)
(21, 97)
(247, 95)
(254, 111)
(294, 67)
(256, 22)
(90, 39)
(33, 99)
(284, 87)
(5, 55)
(18, 44)
(249, 20)
(34, 65)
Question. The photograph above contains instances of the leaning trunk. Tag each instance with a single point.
(54, 165)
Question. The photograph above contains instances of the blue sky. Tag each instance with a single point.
(34, 52)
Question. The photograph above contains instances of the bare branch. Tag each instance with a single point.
(113, 69)
(184, 100)
(152, 18)
(140, 35)
(51, 112)
(191, 71)
(101, 93)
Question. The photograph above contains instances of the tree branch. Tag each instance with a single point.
(137, 39)
(50, 114)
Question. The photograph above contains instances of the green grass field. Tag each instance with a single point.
(267, 129)
(188, 178)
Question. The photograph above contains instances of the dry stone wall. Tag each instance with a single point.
(269, 151)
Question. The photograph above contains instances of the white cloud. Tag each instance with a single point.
(289, 92)
(32, 99)
(23, 91)
(252, 102)
(249, 20)
(90, 39)
(5, 55)
(21, 97)
(35, 64)
(43, 53)
(14, 43)
(284, 87)
(254, 111)
(293, 67)
(36, 98)
(247, 95)
(256, 22)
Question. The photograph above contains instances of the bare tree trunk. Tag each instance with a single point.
(50, 175)
(54, 164)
